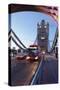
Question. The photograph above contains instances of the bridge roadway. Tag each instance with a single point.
(23, 71)
(48, 71)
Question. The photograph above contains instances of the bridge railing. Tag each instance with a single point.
(37, 76)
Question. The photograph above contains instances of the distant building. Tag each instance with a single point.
(42, 35)
(13, 51)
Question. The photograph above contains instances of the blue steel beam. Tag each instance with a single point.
(16, 43)
(16, 37)
(55, 40)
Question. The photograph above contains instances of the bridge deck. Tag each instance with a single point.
(49, 72)
(22, 72)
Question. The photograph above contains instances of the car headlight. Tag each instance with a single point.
(27, 57)
(43, 52)
(36, 57)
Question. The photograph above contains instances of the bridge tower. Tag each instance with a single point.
(42, 35)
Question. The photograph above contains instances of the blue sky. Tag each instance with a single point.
(24, 24)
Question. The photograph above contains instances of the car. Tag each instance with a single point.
(31, 58)
(20, 57)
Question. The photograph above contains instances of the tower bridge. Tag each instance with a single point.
(42, 35)
(48, 10)
(44, 70)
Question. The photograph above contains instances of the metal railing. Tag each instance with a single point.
(37, 76)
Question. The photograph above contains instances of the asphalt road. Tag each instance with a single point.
(22, 72)
(49, 72)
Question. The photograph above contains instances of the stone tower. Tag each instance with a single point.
(42, 35)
